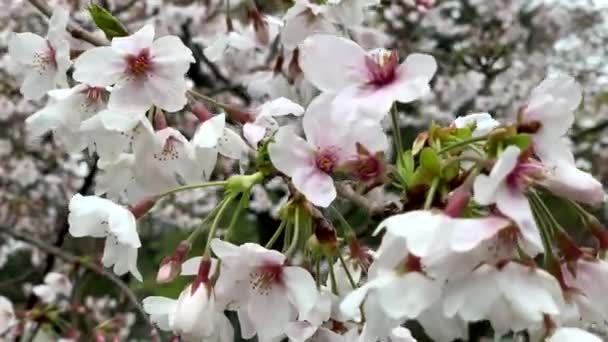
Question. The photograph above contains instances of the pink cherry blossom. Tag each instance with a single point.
(369, 81)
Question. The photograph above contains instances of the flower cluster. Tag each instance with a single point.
(472, 237)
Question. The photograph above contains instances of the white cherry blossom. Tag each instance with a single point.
(144, 71)
(265, 292)
(65, 112)
(45, 60)
(98, 217)
(8, 320)
(55, 285)
(483, 123)
(572, 334)
(265, 124)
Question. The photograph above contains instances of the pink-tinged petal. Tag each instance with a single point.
(515, 205)
(301, 288)
(133, 44)
(300, 24)
(591, 279)
(37, 82)
(130, 96)
(408, 295)
(171, 58)
(332, 63)
(368, 101)
(485, 187)
(469, 233)
(563, 178)
(23, 47)
(289, 152)
(88, 65)
(253, 133)
(317, 186)
(168, 93)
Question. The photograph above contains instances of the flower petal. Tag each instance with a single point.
(133, 44)
(289, 152)
(317, 186)
(332, 63)
(88, 64)
(301, 288)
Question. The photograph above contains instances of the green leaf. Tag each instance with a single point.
(429, 160)
(109, 24)
(405, 167)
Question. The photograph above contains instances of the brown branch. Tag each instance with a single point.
(345, 191)
(70, 258)
(74, 29)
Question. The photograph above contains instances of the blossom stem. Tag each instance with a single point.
(237, 213)
(544, 225)
(195, 234)
(396, 132)
(343, 221)
(276, 234)
(351, 280)
(554, 225)
(462, 143)
(209, 99)
(190, 187)
(296, 232)
(318, 272)
(216, 221)
(332, 277)
(431, 194)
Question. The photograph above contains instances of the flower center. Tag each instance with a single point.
(381, 66)
(139, 65)
(523, 171)
(326, 160)
(265, 276)
(169, 150)
(46, 59)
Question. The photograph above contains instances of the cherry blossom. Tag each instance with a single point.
(55, 285)
(506, 186)
(512, 297)
(483, 123)
(329, 144)
(65, 113)
(585, 281)
(370, 81)
(144, 71)
(99, 217)
(44, 60)
(265, 292)
(264, 124)
(7, 314)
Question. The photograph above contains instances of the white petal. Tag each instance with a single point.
(409, 295)
(37, 82)
(469, 233)
(573, 334)
(87, 216)
(269, 314)
(122, 224)
(90, 62)
(301, 288)
(157, 305)
(168, 93)
(485, 187)
(331, 63)
(253, 133)
(130, 96)
(171, 57)
(23, 47)
(515, 206)
(300, 331)
(280, 107)
(420, 228)
(133, 44)
(58, 23)
(483, 122)
(420, 67)
(231, 145)
(209, 132)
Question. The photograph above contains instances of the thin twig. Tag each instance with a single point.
(74, 29)
(349, 193)
(70, 258)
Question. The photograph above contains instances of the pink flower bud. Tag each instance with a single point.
(141, 208)
(171, 266)
(160, 121)
(260, 27)
(457, 202)
(201, 112)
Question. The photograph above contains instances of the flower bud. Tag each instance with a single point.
(366, 167)
(141, 208)
(457, 202)
(326, 236)
(201, 112)
(160, 121)
(260, 26)
(171, 266)
(194, 313)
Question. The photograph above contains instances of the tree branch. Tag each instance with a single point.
(74, 29)
(70, 258)
(345, 191)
